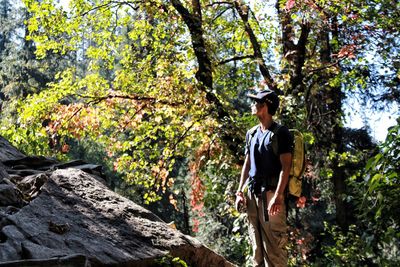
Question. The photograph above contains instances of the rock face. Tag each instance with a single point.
(52, 216)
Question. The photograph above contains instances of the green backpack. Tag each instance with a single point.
(298, 167)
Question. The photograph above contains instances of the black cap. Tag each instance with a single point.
(268, 96)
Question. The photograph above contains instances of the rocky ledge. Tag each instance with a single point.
(63, 214)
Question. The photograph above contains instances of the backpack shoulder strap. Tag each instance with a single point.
(251, 134)
(276, 128)
(253, 130)
(274, 138)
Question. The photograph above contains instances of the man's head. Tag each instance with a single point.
(267, 96)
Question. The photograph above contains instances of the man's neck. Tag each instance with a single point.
(266, 122)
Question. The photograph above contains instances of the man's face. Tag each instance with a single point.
(257, 108)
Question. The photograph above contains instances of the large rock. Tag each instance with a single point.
(8, 152)
(68, 217)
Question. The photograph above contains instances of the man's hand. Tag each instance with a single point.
(275, 204)
(240, 202)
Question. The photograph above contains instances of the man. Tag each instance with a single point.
(266, 172)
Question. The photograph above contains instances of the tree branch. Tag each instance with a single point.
(243, 11)
(300, 57)
(98, 99)
(287, 30)
(197, 9)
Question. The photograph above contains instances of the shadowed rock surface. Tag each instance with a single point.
(54, 214)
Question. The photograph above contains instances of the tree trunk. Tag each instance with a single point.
(204, 74)
(325, 107)
(339, 179)
(325, 120)
(294, 54)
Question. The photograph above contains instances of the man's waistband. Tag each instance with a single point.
(265, 180)
(258, 185)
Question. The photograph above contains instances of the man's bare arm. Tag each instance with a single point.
(244, 174)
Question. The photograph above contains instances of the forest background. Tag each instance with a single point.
(155, 92)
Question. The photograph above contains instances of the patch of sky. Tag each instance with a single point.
(359, 115)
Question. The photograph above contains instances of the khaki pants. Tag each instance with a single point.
(268, 238)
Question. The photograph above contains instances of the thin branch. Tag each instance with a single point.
(234, 59)
(220, 3)
(325, 66)
(134, 115)
(221, 13)
(73, 115)
(117, 3)
(167, 160)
